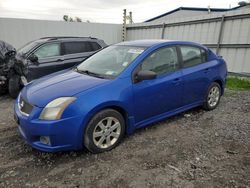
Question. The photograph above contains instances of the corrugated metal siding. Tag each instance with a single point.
(20, 31)
(146, 33)
(202, 33)
(238, 60)
(236, 32)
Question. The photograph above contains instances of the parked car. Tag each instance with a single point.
(50, 54)
(42, 57)
(12, 71)
(117, 90)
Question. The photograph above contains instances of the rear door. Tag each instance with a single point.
(49, 58)
(196, 73)
(76, 52)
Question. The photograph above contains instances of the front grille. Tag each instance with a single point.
(24, 106)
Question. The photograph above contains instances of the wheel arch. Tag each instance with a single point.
(115, 106)
(221, 83)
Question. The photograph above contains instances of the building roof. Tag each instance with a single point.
(194, 9)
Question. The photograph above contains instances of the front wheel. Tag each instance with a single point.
(213, 96)
(14, 86)
(104, 131)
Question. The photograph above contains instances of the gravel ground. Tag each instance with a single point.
(193, 149)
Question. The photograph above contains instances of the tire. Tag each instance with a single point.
(103, 126)
(14, 86)
(212, 97)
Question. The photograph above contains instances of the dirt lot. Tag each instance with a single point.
(193, 149)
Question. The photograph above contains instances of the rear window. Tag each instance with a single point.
(95, 46)
(76, 47)
(192, 56)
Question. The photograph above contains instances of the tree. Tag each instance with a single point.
(67, 18)
(77, 19)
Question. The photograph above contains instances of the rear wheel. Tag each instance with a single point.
(14, 86)
(212, 97)
(104, 131)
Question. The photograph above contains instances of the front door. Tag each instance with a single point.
(49, 58)
(163, 94)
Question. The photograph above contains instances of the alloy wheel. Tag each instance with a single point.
(106, 132)
(214, 96)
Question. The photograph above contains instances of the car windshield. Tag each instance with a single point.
(110, 62)
(26, 48)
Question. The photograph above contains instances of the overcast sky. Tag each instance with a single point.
(108, 11)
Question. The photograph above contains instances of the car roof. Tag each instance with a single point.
(65, 38)
(153, 42)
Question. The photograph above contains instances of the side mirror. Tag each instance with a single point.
(145, 75)
(33, 58)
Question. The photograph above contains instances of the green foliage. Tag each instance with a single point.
(237, 83)
(67, 18)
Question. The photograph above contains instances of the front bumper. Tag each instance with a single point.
(64, 134)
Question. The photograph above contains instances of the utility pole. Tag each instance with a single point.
(125, 18)
(130, 18)
(124, 25)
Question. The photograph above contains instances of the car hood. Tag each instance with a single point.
(64, 83)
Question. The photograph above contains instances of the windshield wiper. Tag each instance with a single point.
(90, 73)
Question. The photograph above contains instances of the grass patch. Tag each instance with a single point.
(236, 83)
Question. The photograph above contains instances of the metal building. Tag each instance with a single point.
(225, 31)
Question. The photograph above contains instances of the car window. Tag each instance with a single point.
(191, 56)
(95, 46)
(161, 61)
(111, 61)
(203, 55)
(76, 47)
(48, 50)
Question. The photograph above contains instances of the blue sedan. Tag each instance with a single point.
(121, 88)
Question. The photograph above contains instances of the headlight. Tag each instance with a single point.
(55, 108)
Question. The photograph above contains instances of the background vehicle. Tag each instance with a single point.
(12, 71)
(51, 54)
(117, 90)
